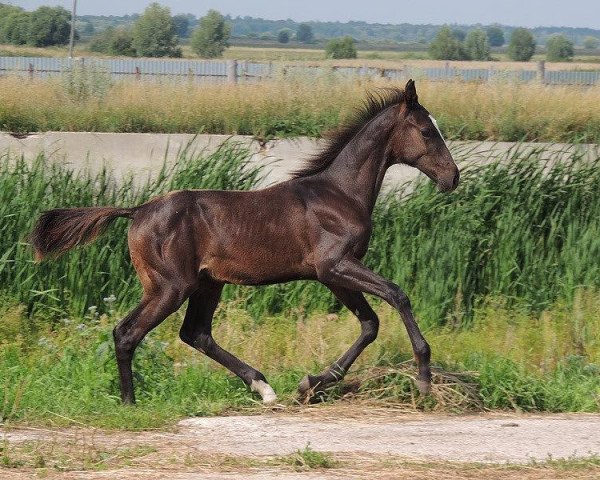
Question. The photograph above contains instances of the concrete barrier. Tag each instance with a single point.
(144, 153)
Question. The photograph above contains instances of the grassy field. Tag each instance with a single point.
(503, 275)
(89, 101)
(372, 55)
(64, 373)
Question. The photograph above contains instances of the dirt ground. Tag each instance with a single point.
(321, 443)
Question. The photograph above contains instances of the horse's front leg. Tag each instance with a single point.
(369, 324)
(349, 273)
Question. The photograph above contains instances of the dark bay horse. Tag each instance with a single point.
(315, 226)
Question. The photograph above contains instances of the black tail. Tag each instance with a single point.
(61, 229)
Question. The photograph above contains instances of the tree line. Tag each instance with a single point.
(453, 44)
(156, 33)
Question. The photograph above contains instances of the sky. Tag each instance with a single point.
(525, 13)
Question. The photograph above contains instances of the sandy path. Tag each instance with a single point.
(465, 439)
(376, 441)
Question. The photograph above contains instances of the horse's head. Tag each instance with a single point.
(418, 142)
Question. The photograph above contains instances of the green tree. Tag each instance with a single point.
(5, 12)
(459, 34)
(495, 36)
(89, 29)
(182, 25)
(445, 46)
(341, 48)
(476, 45)
(15, 28)
(522, 45)
(121, 43)
(114, 41)
(559, 49)
(49, 26)
(591, 43)
(154, 33)
(283, 36)
(211, 38)
(305, 34)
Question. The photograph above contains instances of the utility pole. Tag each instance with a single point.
(72, 37)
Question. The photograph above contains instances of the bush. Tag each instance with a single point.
(283, 36)
(522, 45)
(476, 45)
(304, 34)
(591, 43)
(341, 48)
(114, 41)
(154, 33)
(211, 38)
(559, 49)
(445, 46)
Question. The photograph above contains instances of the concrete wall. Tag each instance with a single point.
(145, 153)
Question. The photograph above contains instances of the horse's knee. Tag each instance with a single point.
(186, 336)
(205, 343)
(124, 344)
(370, 329)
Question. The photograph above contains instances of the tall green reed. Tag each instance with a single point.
(526, 228)
(85, 276)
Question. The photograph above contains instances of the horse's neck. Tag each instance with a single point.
(360, 167)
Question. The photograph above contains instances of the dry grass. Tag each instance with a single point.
(303, 343)
(130, 456)
(91, 102)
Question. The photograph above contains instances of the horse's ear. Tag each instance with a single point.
(410, 94)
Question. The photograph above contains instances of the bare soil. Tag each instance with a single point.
(356, 442)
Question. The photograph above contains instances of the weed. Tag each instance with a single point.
(308, 458)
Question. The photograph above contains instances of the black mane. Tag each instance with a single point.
(339, 138)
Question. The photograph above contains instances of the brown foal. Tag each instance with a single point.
(315, 226)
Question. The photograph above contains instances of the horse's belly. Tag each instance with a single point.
(259, 268)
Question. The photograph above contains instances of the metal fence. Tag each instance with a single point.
(232, 71)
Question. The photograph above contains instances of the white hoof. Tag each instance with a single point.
(264, 390)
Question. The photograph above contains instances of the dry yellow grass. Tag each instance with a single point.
(298, 343)
(90, 101)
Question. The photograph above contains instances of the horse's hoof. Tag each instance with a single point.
(424, 386)
(267, 394)
(304, 385)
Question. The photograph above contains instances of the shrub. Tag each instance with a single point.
(211, 38)
(559, 49)
(341, 48)
(283, 36)
(154, 33)
(477, 46)
(445, 46)
(522, 45)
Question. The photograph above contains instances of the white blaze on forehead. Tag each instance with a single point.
(264, 390)
(438, 129)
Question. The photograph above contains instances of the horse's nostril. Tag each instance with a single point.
(456, 179)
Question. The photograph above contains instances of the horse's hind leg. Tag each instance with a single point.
(196, 331)
(369, 324)
(130, 331)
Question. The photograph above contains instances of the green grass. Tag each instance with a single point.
(525, 229)
(503, 274)
(64, 372)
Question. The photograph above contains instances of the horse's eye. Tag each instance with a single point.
(428, 132)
